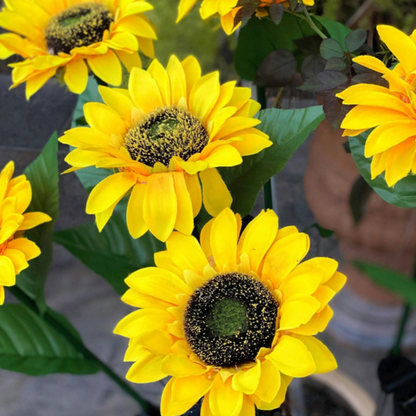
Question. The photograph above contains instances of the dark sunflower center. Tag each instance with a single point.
(229, 318)
(164, 133)
(79, 25)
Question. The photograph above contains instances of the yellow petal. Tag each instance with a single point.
(336, 282)
(225, 155)
(284, 256)
(324, 360)
(135, 220)
(216, 195)
(186, 252)
(159, 283)
(192, 72)
(33, 219)
(185, 218)
(400, 161)
(18, 259)
(36, 82)
(130, 60)
(107, 67)
(146, 369)
(163, 260)
(160, 75)
(7, 272)
(323, 294)
(400, 44)
(179, 365)
(247, 380)
(223, 240)
(297, 310)
(258, 237)
(190, 389)
(184, 8)
(144, 90)
(371, 62)
(76, 76)
(321, 266)
(177, 80)
(118, 101)
(168, 407)
(194, 189)
(269, 383)
(204, 95)
(104, 119)
(108, 191)
(223, 399)
(318, 323)
(160, 205)
(292, 358)
(278, 399)
(27, 247)
(1, 295)
(137, 25)
(140, 300)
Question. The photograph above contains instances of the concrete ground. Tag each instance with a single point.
(91, 304)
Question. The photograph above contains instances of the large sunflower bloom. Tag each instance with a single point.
(233, 319)
(392, 111)
(169, 128)
(15, 250)
(74, 36)
(226, 9)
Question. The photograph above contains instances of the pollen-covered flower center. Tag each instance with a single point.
(79, 25)
(164, 133)
(229, 318)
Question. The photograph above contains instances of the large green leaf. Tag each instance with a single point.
(403, 194)
(394, 281)
(29, 345)
(43, 175)
(287, 129)
(113, 253)
(261, 37)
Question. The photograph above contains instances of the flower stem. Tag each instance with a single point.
(396, 350)
(76, 343)
(313, 25)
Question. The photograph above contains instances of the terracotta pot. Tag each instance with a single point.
(386, 235)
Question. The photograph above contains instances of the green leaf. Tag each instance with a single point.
(324, 81)
(394, 281)
(43, 175)
(331, 48)
(113, 253)
(261, 37)
(277, 69)
(335, 64)
(354, 40)
(29, 345)
(404, 192)
(287, 129)
(334, 29)
(360, 192)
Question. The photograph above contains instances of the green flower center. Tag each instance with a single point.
(79, 25)
(229, 319)
(164, 133)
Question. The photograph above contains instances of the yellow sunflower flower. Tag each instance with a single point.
(232, 319)
(15, 250)
(226, 9)
(392, 111)
(73, 36)
(169, 130)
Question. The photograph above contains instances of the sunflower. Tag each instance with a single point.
(227, 10)
(392, 111)
(169, 130)
(73, 36)
(15, 250)
(232, 319)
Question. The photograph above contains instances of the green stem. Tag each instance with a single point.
(396, 350)
(313, 25)
(75, 342)
(267, 188)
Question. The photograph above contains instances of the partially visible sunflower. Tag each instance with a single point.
(15, 250)
(73, 36)
(232, 319)
(392, 111)
(169, 130)
(227, 10)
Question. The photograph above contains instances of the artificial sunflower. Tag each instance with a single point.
(15, 250)
(232, 319)
(227, 10)
(392, 111)
(73, 36)
(169, 130)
